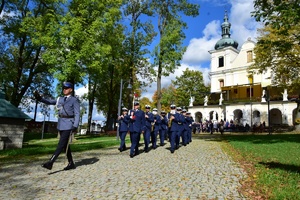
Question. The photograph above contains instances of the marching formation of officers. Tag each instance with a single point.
(174, 126)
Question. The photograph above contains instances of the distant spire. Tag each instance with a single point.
(226, 41)
(226, 27)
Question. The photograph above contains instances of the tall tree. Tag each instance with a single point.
(190, 84)
(83, 43)
(140, 33)
(278, 45)
(168, 53)
(22, 27)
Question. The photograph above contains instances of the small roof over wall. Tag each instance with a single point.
(7, 110)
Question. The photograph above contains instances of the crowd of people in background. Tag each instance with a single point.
(176, 127)
(215, 126)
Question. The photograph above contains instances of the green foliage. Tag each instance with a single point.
(277, 47)
(36, 146)
(190, 84)
(168, 52)
(23, 27)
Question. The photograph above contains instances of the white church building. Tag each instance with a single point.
(243, 94)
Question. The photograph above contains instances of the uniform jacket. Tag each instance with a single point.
(175, 126)
(137, 120)
(188, 123)
(69, 108)
(149, 120)
(124, 124)
(164, 123)
(157, 124)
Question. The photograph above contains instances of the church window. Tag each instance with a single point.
(249, 56)
(221, 61)
(221, 83)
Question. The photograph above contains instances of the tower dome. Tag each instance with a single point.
(226, 41)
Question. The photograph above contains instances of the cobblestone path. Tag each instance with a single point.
(200, 170)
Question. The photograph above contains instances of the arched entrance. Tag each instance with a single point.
(256, 117)
(275, 116)
(238, 116)
(294, 115)
(213, 115)
(198, 117)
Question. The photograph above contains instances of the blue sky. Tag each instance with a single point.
(201, 36)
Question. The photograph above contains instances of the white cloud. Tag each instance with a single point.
(197, 50)
(243, 25)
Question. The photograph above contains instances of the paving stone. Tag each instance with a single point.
(200, 170)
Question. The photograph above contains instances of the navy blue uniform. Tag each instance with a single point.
(123, 130)
(147, 129)
(174, 133)
(163, 130)
(136, 125)
(156, 130)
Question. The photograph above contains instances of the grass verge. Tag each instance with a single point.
(271, 161)
(34, 146)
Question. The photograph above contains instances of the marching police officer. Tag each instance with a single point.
(190, 122)
(180, 131)
(136, 125)
(68, 111)
(155, 127)
(148, 126)
(124, 120)
(163, 128)
(186, 128)
(174, 120)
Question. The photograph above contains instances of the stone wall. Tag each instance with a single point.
(14, 130)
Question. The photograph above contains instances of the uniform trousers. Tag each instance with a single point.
(173, 138)
(62, 145)
(184, 137)
(122, 137)
(189, 135)
(147, 135)
(162, 134)
(177, 140)
(135, 137)
(154, 138)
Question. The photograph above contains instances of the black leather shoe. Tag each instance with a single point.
(48, 165)
(70, 166)
(131, 155)
(172, 151)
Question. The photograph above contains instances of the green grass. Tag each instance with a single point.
(35, 146)
(276, 160)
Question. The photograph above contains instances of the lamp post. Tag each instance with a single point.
(120, 104)
(267, 97)
(250, 79)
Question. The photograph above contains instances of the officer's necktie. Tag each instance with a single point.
(65, 98)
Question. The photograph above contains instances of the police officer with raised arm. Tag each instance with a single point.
(68, 112)
(136, 125)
